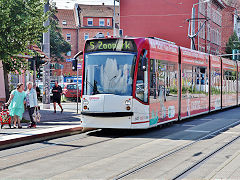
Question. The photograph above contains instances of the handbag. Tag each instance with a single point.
(36, 115)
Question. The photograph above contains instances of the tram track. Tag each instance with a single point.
(48, 144)
(182, 174)
(201, 161)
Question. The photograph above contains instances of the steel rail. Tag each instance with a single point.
(182, 174)
(172, 152)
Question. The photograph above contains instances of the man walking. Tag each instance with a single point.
(57, 92)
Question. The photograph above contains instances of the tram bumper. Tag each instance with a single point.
(106, 111)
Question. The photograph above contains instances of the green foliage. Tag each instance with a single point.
(215, 90)
(233, 43)
(21, 25)
(173, 90)
(58, 45)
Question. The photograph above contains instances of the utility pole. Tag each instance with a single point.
(46, 74)
(193, 27)
(34, 71)
(114, 20)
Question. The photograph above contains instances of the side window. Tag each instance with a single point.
(142, 78)
(153, 83)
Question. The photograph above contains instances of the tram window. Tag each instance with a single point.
(163, 81)
(153, 79)
(229, 82)
(215, 81)
(194, 81)
(142, 83)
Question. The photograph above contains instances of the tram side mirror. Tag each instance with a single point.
(144, 61)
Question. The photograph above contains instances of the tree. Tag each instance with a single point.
(58, 45)
(21, 25)
(233, 43)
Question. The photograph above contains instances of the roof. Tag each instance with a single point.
(68, 16)
(39, 51)
(98, 10)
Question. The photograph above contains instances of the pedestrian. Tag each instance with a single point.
(38, 92)
(16, 104)
(31, 102)
(57, 92)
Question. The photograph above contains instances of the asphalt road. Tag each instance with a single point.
(72, 106)
(104, 154)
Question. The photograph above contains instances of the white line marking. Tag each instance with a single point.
(188, 125)
(189, 130)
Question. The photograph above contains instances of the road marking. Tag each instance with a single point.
(205, 119)
(189, 130)
(188, 125)
(230, 132)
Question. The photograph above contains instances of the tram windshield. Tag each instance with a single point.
(109, 73)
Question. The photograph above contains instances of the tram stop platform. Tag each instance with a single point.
(52, 125)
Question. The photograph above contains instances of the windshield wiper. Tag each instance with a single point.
(95, 91)
(114, 77)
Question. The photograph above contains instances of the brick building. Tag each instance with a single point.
(69, 25)
(168, 20)
(229, 25)
(214, 12)
(81, 23)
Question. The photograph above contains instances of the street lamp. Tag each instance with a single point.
(193, 23)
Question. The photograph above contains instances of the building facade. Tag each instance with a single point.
(81, 23)
(213, 26)
(168, 20)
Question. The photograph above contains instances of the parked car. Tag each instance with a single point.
(70, 91)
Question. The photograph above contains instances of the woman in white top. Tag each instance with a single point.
(31, 102)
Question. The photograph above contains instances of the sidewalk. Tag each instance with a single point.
(52, 125)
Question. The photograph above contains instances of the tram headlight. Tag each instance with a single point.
(85, 102)
(128, 102)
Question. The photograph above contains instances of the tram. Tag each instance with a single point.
(138, 83)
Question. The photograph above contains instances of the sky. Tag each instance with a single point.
(69, 4)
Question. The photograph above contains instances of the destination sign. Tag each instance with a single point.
(110, 45)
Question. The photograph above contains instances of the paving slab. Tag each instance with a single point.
(52, 125)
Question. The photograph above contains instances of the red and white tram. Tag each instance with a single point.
(144, 82)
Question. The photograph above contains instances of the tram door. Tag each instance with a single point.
(163, 91)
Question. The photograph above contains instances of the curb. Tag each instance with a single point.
(38, 136)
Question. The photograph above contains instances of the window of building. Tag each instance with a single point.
(208, 32)
(101, 22)
(90, 21)
(64, 22)
(209, 11)
(69, 53)
(86, 36)
(108, 22)
(68, 37)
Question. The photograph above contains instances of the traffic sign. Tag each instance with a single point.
(69, 60)
(79, 66)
